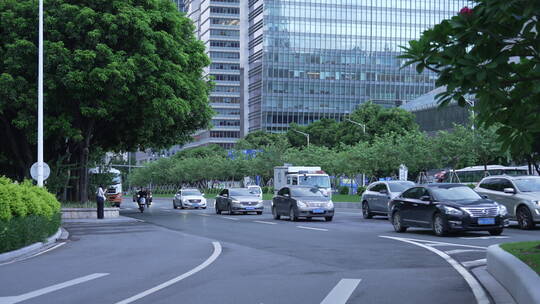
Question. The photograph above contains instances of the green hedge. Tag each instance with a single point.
(28, 214)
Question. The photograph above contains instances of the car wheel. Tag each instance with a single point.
(181, 206)
(440, 226)
(230, 210)
(292, 216)
(397, 222)
(524, 218)
(328, 218)
(217, 210)
(204, 207)
(259, 212)
(365, 210)
(275, 215)
(174, 206)
(496, 231)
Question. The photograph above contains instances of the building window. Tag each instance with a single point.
(224, 21)
(225, 77)
(226, 55)
(220, 99)
(225, 10)
(225, 44)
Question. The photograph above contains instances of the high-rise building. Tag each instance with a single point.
(304, 60)
(179, 5)
(218, 26)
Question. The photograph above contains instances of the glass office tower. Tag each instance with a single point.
(308, 59)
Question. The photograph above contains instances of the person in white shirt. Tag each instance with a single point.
(100, 199)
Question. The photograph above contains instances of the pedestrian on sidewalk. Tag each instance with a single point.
(100, 198)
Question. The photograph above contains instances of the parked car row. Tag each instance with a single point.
(447, 207)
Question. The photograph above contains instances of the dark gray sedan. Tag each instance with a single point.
(307, 202)
(238, 200)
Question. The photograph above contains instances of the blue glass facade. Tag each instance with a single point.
(309, 59)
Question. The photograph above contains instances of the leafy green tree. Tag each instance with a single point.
(377, 120)
(261, 139)
(491, 52)
(120, 75)
(455, 149)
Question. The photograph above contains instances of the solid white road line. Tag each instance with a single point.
(230, 218)
(39, 292)
(478, 291)
(312, 228)
(456, 251)
(437, 243)
(263, 222)
(202, 214)
(475, 263)
(210, 260)
(34, 255)
(484, 237)
(341, 292)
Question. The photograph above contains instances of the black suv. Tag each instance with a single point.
(445, 208)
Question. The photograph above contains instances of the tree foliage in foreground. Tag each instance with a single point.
(491, 52)
(120, 75)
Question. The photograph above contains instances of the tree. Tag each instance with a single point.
(491, 52)
(120, 75)
(377, 120)
(261, 139)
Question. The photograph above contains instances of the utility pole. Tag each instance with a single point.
(303, 133)
(40, 176)
(357, 123)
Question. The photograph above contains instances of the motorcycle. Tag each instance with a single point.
(149, 200)
(142, 203)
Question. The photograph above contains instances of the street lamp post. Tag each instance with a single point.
(357, 123)
(303, 133)
(40, 100)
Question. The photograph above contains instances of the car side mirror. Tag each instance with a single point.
(509, 190)
(425, 198)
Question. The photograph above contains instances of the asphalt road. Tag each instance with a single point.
(196, 256)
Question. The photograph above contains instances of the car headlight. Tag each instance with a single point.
(260, 202)
(452, 210)
(502, 210)
(236, 202)
(324, 192)
(330, 205)
(301, 204)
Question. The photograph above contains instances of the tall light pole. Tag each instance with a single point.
(40, 99)
(357, 123)
(305, 134)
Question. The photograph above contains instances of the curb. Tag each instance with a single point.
(60, 234)
(517, 277)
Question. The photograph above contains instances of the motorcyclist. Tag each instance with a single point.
(142, 193)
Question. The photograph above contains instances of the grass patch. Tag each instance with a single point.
(345, 198)
(528, 252)
(89, 204)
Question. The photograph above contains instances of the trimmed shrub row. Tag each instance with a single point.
(28, 214)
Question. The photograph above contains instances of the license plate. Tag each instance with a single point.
(250, 208)
(486, 221)
(318, 210)
(195, 205)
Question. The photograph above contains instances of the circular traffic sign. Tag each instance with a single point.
(34, 169)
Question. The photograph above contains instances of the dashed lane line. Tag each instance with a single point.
(230, 218)
(478, 291)
(210, 260)
(312, 228)
(341, 292)
(264, 222)
(46, 290)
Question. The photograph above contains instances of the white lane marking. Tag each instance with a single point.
(39, 292)
(210, 260)
(341, 292)
(264, 222)
(456, 251)
(312, 228)
(34, 255)
(202, 214)
(475, 263)
(230, 218)
(437, 243)
(484, 237)
(478, 291)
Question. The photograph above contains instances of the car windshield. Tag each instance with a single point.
(400, 187)
(191, 192)
(241, 192)
(454, 193)
(528, 185)
(318, 181)
(306, 192)
(255, 190)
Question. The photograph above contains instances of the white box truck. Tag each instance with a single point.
(303, 176)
